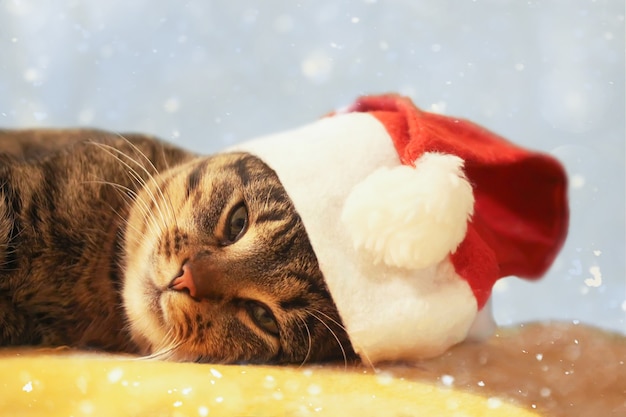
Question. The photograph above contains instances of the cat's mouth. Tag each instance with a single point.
(153, 297)
(161, 299)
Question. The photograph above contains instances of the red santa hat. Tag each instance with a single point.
(413, 216)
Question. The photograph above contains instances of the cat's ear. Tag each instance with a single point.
(411, 216)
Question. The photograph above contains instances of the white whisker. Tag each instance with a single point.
(130, 196)
(267, 199)
(172, 212)
(310, 341)
(166, 351)
(363, 356)
(116, 153)
(343, 351)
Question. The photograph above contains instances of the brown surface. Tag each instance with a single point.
(557, 369)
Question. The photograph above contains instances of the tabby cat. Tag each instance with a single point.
(126, 243)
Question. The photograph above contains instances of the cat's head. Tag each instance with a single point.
(219, 268)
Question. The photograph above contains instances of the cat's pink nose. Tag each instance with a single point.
(184, 282)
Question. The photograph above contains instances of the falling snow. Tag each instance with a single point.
(447, 380)
(596, 279)
(115, 375)
(28, 387)
(494, 402)
(317, 66)
(171, 105)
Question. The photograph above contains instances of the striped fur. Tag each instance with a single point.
(95, 226)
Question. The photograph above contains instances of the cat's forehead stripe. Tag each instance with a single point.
(269, 216)
(241, 169)
(209, 214)
(280, 232)
(195, 176)
(295, 303)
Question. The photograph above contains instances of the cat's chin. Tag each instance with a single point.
(155, 322)
(144, 311)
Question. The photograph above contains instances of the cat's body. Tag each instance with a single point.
(125, 243)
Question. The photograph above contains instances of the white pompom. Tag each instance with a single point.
(411, 217)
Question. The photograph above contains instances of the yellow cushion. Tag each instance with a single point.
(81, 385)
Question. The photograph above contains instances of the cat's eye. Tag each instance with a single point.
(262, 317)
(236, 223)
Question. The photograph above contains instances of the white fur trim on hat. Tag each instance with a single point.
(390, 313)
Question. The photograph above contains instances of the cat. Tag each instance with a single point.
(127, 243)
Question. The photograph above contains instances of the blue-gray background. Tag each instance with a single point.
(546, 74)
